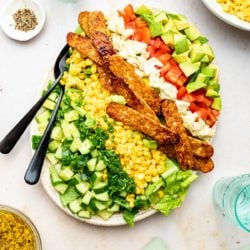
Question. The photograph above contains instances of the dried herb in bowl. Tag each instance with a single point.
(25, 19)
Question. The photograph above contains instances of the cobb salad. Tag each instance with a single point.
(138, 115)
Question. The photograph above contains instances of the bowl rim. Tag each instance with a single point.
(27, 220)
(21, 35)
(230, 19)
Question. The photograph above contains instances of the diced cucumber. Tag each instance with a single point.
(48, 104)
(89, 122)
(44, 116)
(94, 153)
(71, 116)
(51, 157)
(100, 165)
(105, 214)
(96, 177)
(54, 177)
(75, 145)
(122, 203)
(57, 133)
(75, 206)
(53, 97)
(100, 187)
(70, 131)
(54, 145)
(85, 147)
(66, 174)
(91, 164)
(75, 180)
(61, 187)
(115, 208)
(102, 196)
(84, 214)
(83, 187)
(69, 196)
(80, 110)
(58, 153)
(42, 126)
(96, 205)
(87, 197)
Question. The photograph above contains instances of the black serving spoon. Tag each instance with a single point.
(33, 171)
(10, 140)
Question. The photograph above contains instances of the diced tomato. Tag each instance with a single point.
(164, 48)
(182, 80)
(151, 50)
(173, 62)
(136, 36)
(129, 12)
(165, 69)
(164, 58)
(181, 92)
(188, 98)
(173, 74)
(203, 100)
(139, 23)
(156, 42)
(145, 34)
(193, 107)
(203, 113)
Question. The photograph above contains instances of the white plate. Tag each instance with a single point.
(115, 220)
(216, 9)
(7, 22)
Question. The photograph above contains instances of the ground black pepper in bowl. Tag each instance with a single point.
(25, 19)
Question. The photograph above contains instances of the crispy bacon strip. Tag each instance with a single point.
(142, 123)
(183, 150)
(200, 148)
(84, 46)
(83, 21)
(117, 85)
(126, 71)
(92, 22)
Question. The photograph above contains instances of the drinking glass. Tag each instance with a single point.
(232, 195)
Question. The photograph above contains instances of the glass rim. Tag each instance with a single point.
(236, 211)
(27, 220)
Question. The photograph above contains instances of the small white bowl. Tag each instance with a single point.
(217, 10)
(7, 22)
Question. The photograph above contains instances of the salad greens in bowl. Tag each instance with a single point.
(104, 169)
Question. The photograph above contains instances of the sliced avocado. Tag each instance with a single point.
(192, 33)
(193, 86)
(143, 10)
(209, 71)
(214, 85)
(148, 18)
(205, 59)
(156, 29)
(180, 43)
(170, 26)
(180, 58)
(188, 68)
(201, 39)
(212, 93)
(180, 22)
(196, 54)
(209, 51)
(217, 103)
(197, 64)
(202, 78)
(168, 38)
(161, 17)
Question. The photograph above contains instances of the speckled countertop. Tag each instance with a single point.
(197, 225)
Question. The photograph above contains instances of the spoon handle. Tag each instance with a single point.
(10, 140)
(33, 172)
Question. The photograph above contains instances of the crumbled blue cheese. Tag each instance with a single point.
(136, 54)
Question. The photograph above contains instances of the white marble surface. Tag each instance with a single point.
(197, 225)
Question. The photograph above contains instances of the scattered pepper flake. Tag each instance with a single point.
(25, 20)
